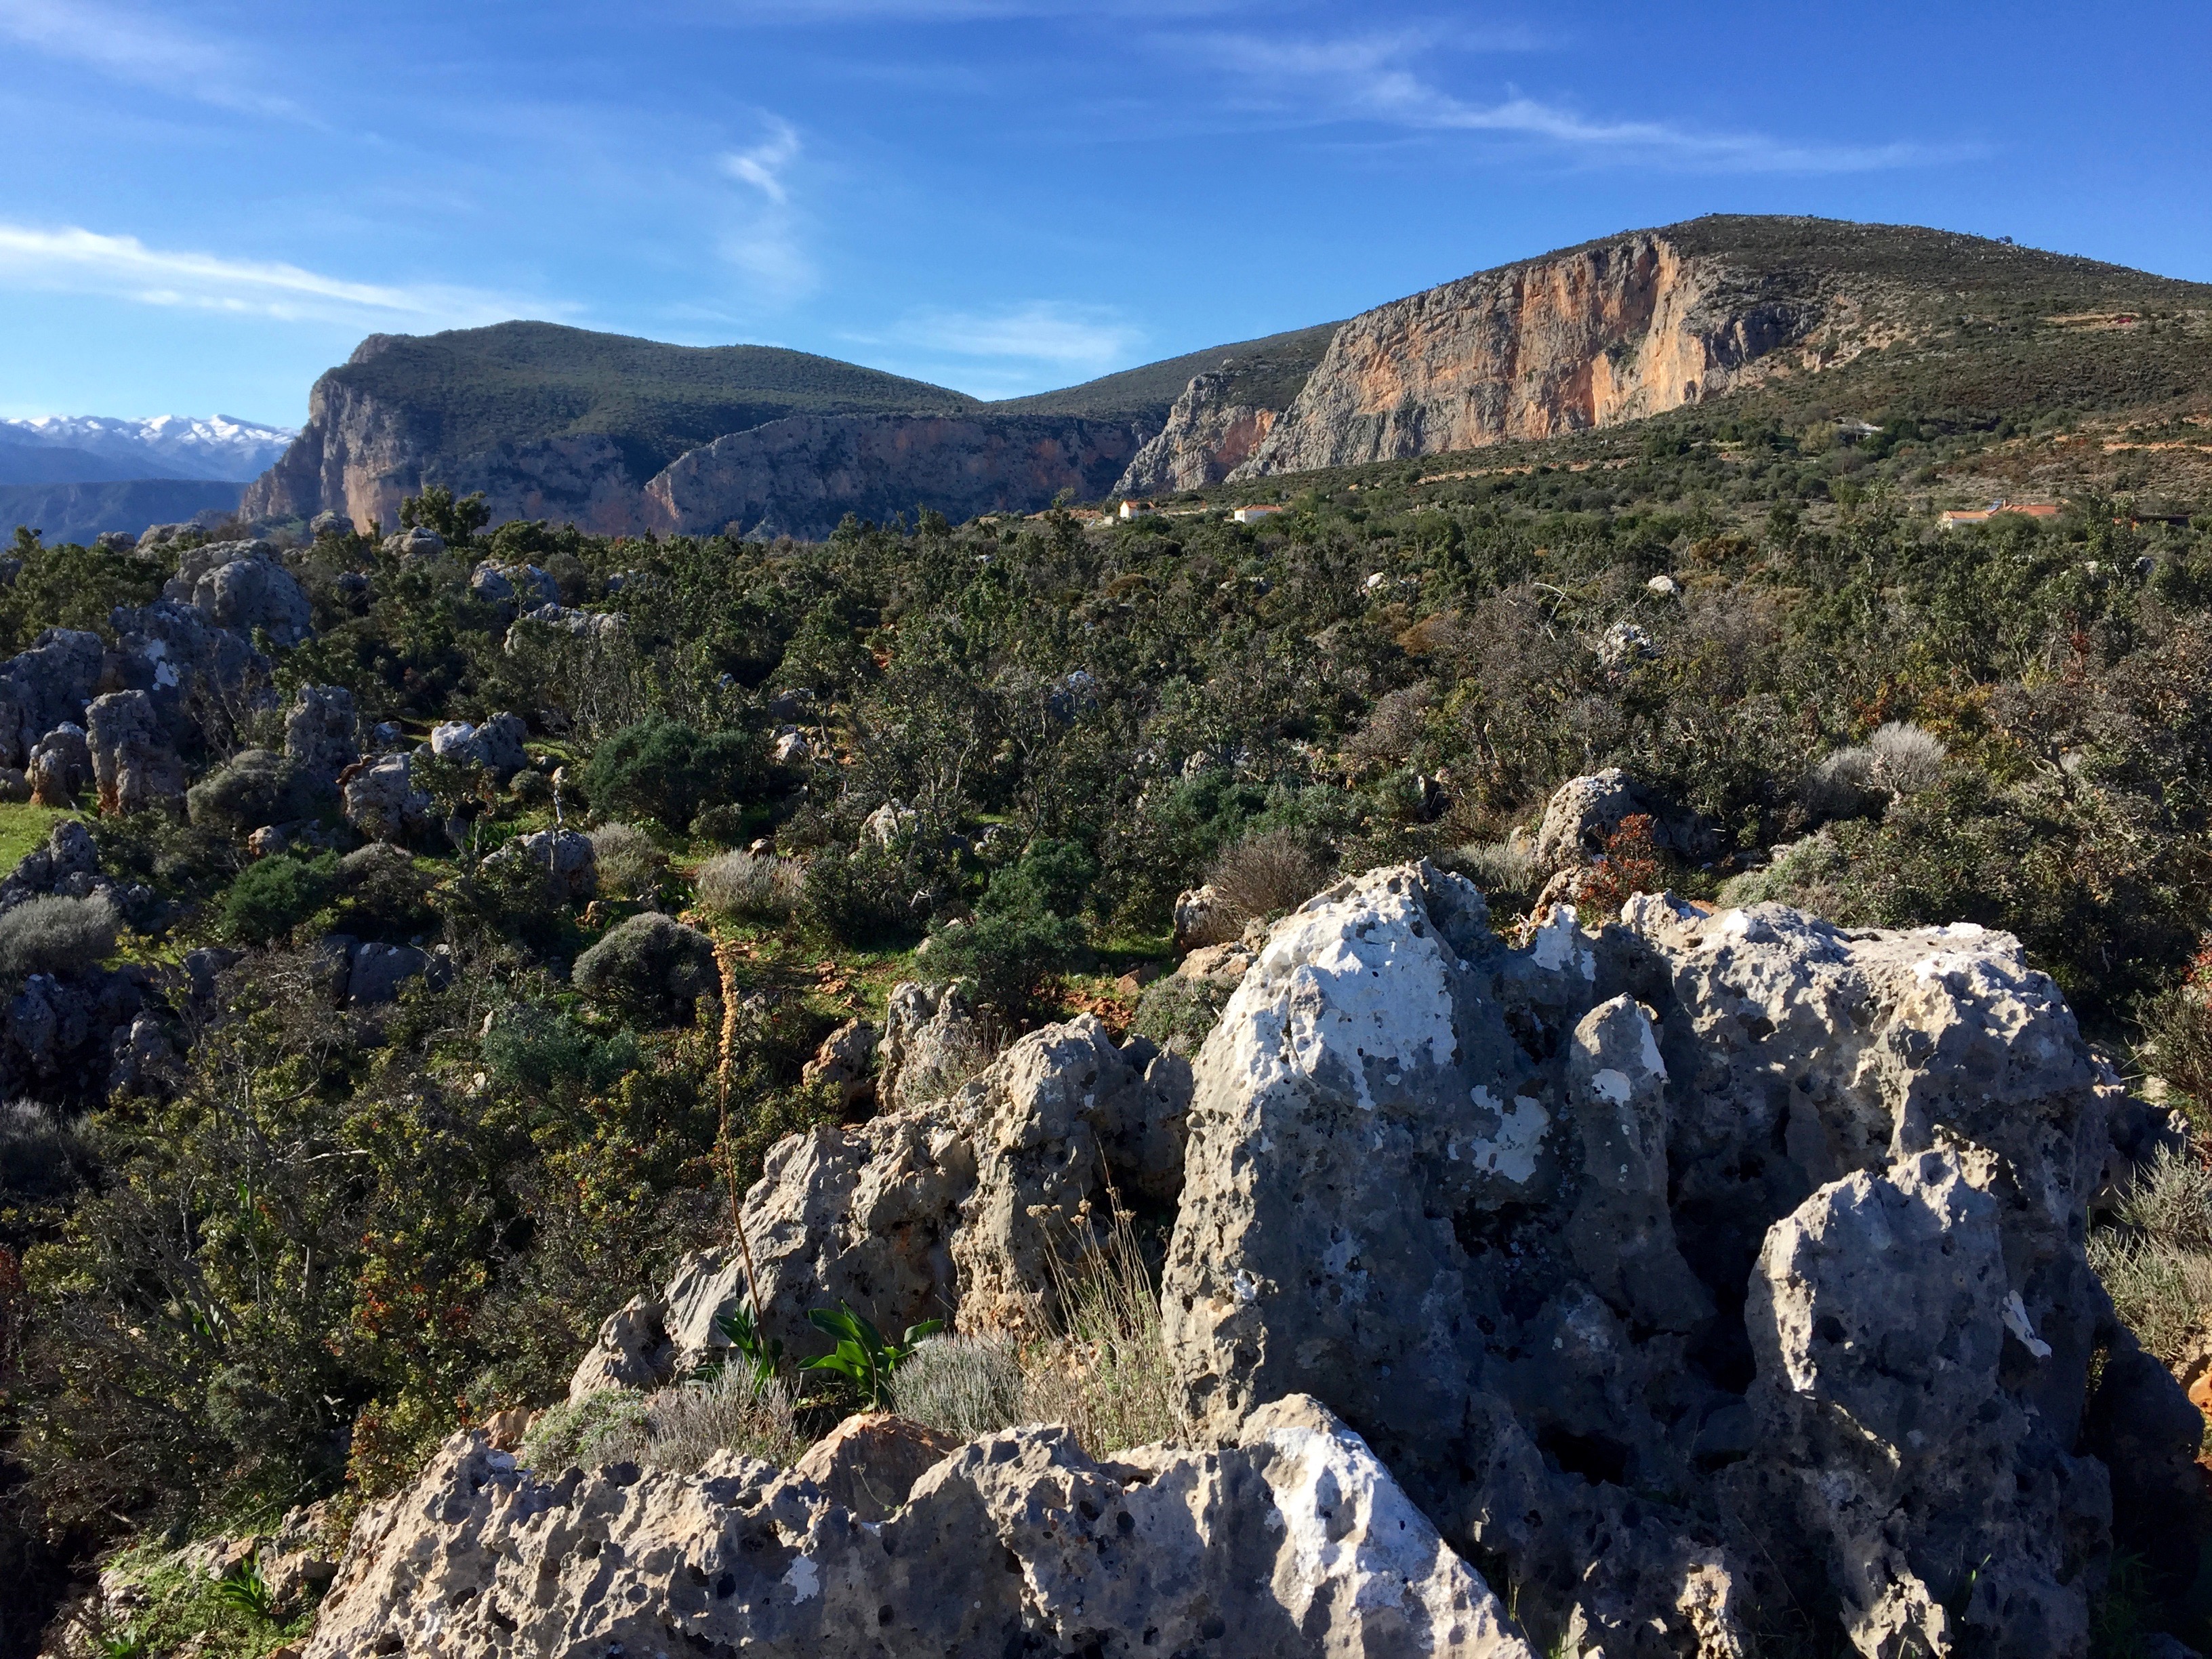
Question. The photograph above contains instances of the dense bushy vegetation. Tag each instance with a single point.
(329, 1233)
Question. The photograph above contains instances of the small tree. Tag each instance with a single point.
(436, 509)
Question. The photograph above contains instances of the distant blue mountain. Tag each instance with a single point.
(78, 512)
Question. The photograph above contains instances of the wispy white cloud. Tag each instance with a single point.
(1368, 77)
(764, 239)
(1003, 351)
(142, 50)
(762, 166)
(123, 267)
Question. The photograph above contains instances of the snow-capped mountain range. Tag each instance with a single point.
(101, 449)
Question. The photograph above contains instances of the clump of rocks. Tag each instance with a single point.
(1659, 1281)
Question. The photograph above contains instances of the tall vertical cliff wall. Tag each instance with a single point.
(1603, 334)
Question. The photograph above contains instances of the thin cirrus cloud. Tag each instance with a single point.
(764, 238)
(1008, 349)
(140, 51)
(123, 267)
(1365, 78)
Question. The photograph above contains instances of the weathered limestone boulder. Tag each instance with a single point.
(1203, 916)
(14, 787)
(570, 863)
(1583, 812)
(331, 523)
(842, 1061)
(495, 745)
(870, 1462)
(597, 627)
(241, 586)
(930, 1044)
(60, 768)
(321, 731)
(1062, 1107)
(379, 971)
(382, 802)
(888, 825)
(957, 1205)
(197, 674)
(633, 1350)
(46, 686)
(1292, 1540)
(132, 761)
(863, 1213)
(69, 864)
(419, 542)
(1693, 1269)
(509, 588)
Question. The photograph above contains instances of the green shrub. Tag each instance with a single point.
(750, 887)
(272, 898)
(532, 1049)
(629, 865)
(1005, 955)
(1180, 1013)
(667, 771)
(863, 897)
(54, 934)
(255, 787)
(650, 965)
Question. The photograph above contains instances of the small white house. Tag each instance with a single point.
(1137, 509)
(1253, 514)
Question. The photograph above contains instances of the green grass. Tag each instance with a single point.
(181, 1605)
(24, 827)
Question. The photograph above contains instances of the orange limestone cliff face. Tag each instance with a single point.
(1603, 334)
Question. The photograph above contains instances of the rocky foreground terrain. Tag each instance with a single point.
(1678, 1284)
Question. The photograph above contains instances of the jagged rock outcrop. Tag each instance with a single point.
(1588, 337)
(1748, 1246)
(46, 686)
(201, 678)
(960, 1204)
(802, 475)
(322, 731)
(132, 762)
(240, 586)
(1294, 1540)
(1583, 812)
(381, 801)
(1209, 433)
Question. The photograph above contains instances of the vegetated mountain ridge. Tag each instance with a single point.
(101, 449)
(621, 435)
(556, 422)
(1649, 321)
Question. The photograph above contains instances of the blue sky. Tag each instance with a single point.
(206, 204)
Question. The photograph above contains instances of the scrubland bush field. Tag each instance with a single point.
(427, 989)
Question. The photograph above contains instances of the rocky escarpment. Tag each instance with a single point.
(1591, 338)
(800, 476)
(361, 453)
(1682, 1285)
(1209, 434)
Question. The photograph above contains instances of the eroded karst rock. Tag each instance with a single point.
(1292, 1540)
(1689, 1267)
(956, 1205)
(132, 762)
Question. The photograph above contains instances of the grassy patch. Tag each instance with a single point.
(172, 1604)
(23, 828)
